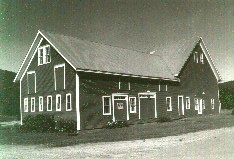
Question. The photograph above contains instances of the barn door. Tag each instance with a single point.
(120, 107)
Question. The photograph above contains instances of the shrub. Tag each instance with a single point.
(164, 119)
(38, 123)
(116, 124)
(233, 112)
(63, 125)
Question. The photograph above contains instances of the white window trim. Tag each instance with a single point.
(109, 104)
(187, 105)
(203, 104)
(170, 104)
(33, 104)
(68, 94)
(134, 111)
(25, 102)
(50, 103)
(196, 57)
(129, 85)
(40, 104)
(212, 103)
(202, 58)
(35, 77)
(43, 48)
(196, 105)
(56, 99)
(58, 66)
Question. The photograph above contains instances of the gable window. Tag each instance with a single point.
(59, 77)
(124, 85)
(132, 102)
(33, 104)
(68, 102)
(40, 103)
(168, 104)
(203, 104)
(44, 55)
(196, 57)
(58, 102)
(196, 103)
(49, 103)
(187, 102)
(25, 104)
(201, 58)
(106, 101)
(212, 103)
(31, 82)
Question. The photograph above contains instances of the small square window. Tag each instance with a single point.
(106, 100)
(58, 102)
(120, 105)
(132, 103)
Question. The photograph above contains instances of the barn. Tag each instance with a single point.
(93, 83)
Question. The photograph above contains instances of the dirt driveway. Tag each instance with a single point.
(205, 144)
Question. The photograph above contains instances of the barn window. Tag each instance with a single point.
(203, 104)
(187, 103)
(44, 55)
(168, 103)
(196, 103)
(163, 87)
(201, 58)
(59, 77)
(40, 103)
(106, 100)
(68, 102)
(31, 82)
(132, 103)
(58, 102)
(212, 103)
(25, 104)
(124, 85)
(33, 104)
(49, 103)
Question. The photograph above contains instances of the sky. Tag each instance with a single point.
(133, 24)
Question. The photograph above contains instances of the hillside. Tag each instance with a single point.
(9, 94)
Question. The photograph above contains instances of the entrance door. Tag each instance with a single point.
(180, 105)
(120, 103)
(147, 106)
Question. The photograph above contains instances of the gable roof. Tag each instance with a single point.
(85, 55)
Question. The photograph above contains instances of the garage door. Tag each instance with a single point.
(147, 106)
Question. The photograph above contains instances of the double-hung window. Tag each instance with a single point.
(49, 103)
(203, 104)
(33, 104)
(132, 102)
(58, 102)
(212, 103)
(168, 104)
(106, 101)
(40, 103)
(44, 55)
(187, 102)
(68, 102)
(201, 58)
(196, 103)
(25, 104)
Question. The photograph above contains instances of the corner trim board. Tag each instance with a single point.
(77, 102)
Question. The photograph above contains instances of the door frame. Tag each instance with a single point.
(182, 104)
(113, 99)
(144, 95)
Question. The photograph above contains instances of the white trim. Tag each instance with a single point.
(166, 87)
(219, 107)
(44, 55)
(35, 82)
(210, 61)
(159, 87)
(35, 51)
(33, 104)
(21, 115)
(212, 103)
(201, 58)
(129, 86)
(40, 104)
(200, 106)
(103, 110)
(196, 57)
(182, 104)
(113, 99)
(152, 95)
(64, 77)
(69, 94)
(25, 102)
(60, 104)
(51, 104)
(203, 104)
(77, 102)
(187, 104)
(196, 103)
(170, 106)
(27, 55)
(132, 111)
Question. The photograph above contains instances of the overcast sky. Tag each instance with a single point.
(133, 24)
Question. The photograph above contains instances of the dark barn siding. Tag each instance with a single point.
(45, 86)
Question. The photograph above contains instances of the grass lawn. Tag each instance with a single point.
(8, 135)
